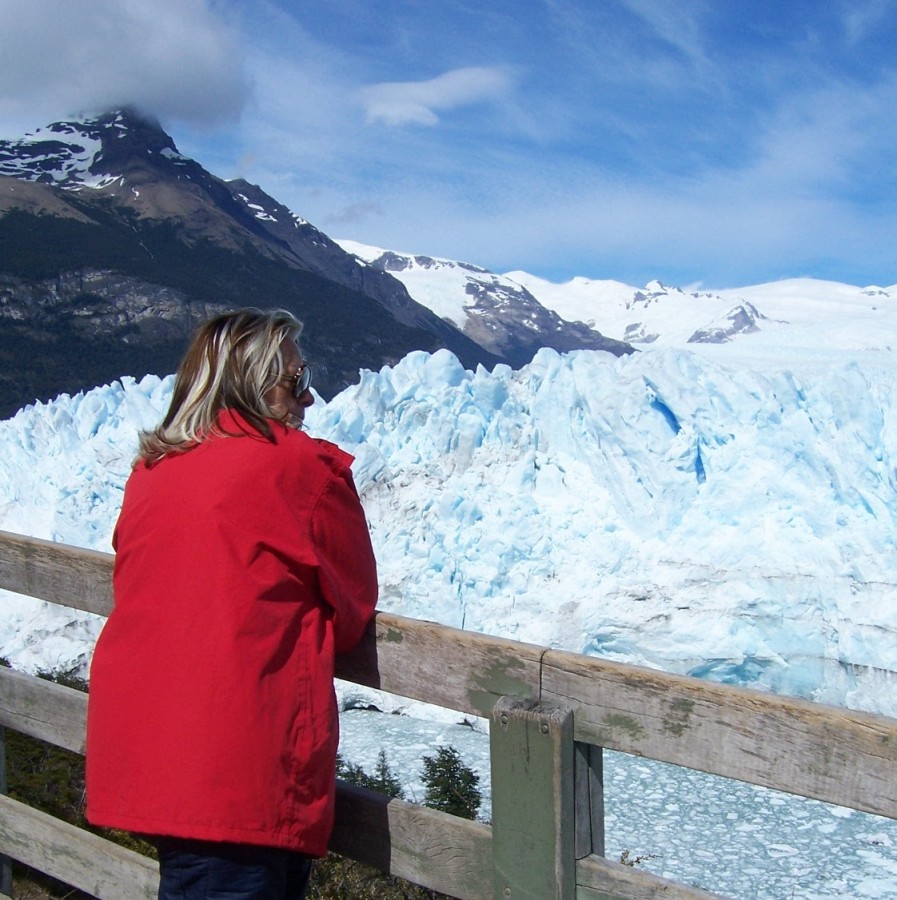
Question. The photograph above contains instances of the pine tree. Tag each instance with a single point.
(383, 780)
(451, 786)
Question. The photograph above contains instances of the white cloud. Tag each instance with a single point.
(417, 102)
(173, 58)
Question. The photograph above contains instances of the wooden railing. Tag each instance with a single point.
(551, 712)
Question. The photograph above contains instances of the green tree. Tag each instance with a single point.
(451, 786)
(383, 780)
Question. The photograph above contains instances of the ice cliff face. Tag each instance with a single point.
(658, 509)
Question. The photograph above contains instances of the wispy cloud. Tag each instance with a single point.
(861, 19)
(679, 25)
(418, 102)
(358, 212)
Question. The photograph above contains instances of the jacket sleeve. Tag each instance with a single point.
(346, 566)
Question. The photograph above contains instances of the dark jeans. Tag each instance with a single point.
(207, 870)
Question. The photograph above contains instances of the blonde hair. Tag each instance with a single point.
(233, 361)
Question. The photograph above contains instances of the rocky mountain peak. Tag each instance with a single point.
(90, 152)
(127, 136)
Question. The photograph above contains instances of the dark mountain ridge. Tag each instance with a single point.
(113, 246)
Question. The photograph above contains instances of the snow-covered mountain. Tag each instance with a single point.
(799, 313)
(499, 314)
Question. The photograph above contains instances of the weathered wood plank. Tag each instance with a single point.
(425, 846)
(531, 758)
(831, 754)
(460, 670)
(71, 576)
(601, 879)
(43, 709)
(75, 856)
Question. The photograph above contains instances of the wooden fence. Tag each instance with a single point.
(551, 712)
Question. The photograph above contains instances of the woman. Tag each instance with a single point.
(243, 564)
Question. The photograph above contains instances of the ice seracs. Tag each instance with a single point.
(660, 508)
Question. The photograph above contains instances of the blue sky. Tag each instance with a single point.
(717, 143)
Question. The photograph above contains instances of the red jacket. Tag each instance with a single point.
(241, 567)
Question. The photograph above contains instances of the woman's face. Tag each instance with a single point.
(280, 398)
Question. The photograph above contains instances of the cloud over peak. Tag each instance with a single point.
(174, 58)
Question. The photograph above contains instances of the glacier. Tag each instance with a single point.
(675, 508)
(657, 509)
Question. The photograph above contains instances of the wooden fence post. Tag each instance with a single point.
(589, 799)
(531, 754)
(5, 861)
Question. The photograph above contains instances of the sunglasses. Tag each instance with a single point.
(301, 380)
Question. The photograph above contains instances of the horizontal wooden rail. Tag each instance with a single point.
(460, 670)
(43, 709)
(831, 754)
(425, 846)
(824, 752)
(69, 576)
(600, 879)
(75, 856)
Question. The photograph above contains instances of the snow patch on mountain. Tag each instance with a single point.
(67, 154)
(52, 160)
(446, 286)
